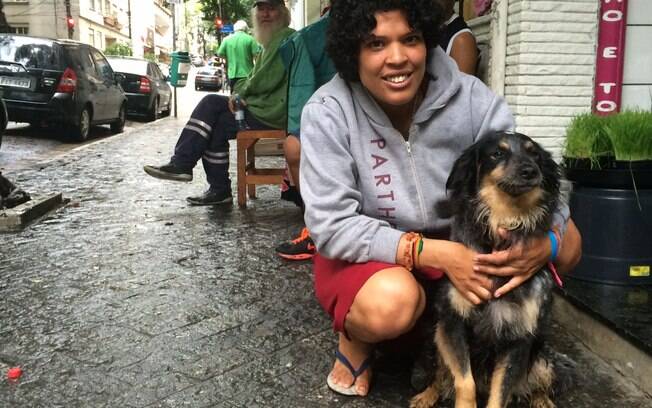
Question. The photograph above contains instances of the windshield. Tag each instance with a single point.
(30, 52)
(128, 66)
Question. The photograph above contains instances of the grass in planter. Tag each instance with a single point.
(586, 138)
(630, 133)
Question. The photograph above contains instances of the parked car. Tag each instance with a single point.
(64, 82)
(209, 77)
(165, 70)
(3, 117)
(197, 60)
(146, 88)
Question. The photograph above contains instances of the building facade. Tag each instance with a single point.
(543, 56)
(145, 25)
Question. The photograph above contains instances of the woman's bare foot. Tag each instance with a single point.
(356, 352)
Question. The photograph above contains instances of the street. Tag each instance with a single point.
(24, 146)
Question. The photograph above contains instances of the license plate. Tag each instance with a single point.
(15, 82)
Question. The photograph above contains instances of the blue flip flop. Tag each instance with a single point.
(351, 390)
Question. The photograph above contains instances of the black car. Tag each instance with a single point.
(209, 77)
(148, 92)
(63, 82)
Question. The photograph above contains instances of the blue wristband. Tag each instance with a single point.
(554, 245)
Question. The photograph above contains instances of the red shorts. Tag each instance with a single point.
(338, 282)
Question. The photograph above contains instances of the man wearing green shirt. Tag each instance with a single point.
(239, 50)
(212, 123)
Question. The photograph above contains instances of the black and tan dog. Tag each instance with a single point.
(503, 181)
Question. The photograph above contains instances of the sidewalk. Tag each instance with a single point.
(128, 297)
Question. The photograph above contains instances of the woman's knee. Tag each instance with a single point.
(390, 307)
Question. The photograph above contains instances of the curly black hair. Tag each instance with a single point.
(351, 22)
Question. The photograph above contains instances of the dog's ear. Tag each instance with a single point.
(464, 175)
(552, 172)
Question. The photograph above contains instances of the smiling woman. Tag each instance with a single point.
(378, 143)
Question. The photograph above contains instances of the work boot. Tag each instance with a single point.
(169, 172)
(210, 197)
(300, 248)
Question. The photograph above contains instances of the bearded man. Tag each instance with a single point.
(212, 123)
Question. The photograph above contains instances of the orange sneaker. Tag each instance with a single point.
(298, 249)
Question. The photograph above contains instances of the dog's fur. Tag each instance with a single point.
(503, 181)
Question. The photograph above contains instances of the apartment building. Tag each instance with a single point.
(146, 25)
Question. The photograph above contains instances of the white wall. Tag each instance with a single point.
(637, 74)
(550, 65)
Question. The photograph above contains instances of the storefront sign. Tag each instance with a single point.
(610, 57)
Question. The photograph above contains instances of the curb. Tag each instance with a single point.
(632, 362)
(17, 218)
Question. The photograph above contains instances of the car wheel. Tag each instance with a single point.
(119, 125)
(82, 128)
(152, 114)
(168, 110)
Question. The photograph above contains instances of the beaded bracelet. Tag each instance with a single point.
(408, 252)
(417, 247)
(554, 244)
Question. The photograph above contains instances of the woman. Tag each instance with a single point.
(457, 39)
(378, 143)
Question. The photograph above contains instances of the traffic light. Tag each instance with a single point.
(70, 22)
(218, 23)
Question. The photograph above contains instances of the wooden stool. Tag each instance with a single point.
(248, 174)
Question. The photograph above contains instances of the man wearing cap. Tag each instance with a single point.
(239, 50)
(212, 123)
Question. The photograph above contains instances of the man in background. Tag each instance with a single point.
(212, 123)
(239, 50)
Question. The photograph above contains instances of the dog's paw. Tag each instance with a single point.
(426, 399)
(542, 401)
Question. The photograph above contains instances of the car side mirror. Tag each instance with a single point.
(118, 77)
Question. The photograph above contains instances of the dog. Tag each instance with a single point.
(504, 181)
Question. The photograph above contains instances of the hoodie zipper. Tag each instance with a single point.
(416, 179)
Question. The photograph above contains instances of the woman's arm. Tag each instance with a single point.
(465, 52)
(330, 190)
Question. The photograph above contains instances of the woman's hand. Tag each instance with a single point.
(457, 261)
(520, 261)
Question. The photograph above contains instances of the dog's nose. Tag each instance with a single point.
(528, 172)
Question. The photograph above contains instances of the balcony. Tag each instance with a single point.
(164, 5)
(112, 21)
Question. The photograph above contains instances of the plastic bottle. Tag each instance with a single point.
(239, 113)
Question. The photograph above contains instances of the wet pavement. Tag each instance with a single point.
(128, 297)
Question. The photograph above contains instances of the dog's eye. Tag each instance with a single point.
(497, 155)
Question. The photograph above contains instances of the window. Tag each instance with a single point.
(102, 65)
(107, 7)
(91, 36)
(87, 62)
(20, 29)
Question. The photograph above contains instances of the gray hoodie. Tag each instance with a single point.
(364, 185)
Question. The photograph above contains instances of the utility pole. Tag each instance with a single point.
(174, 26)
(129, 20)
(70, 22)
